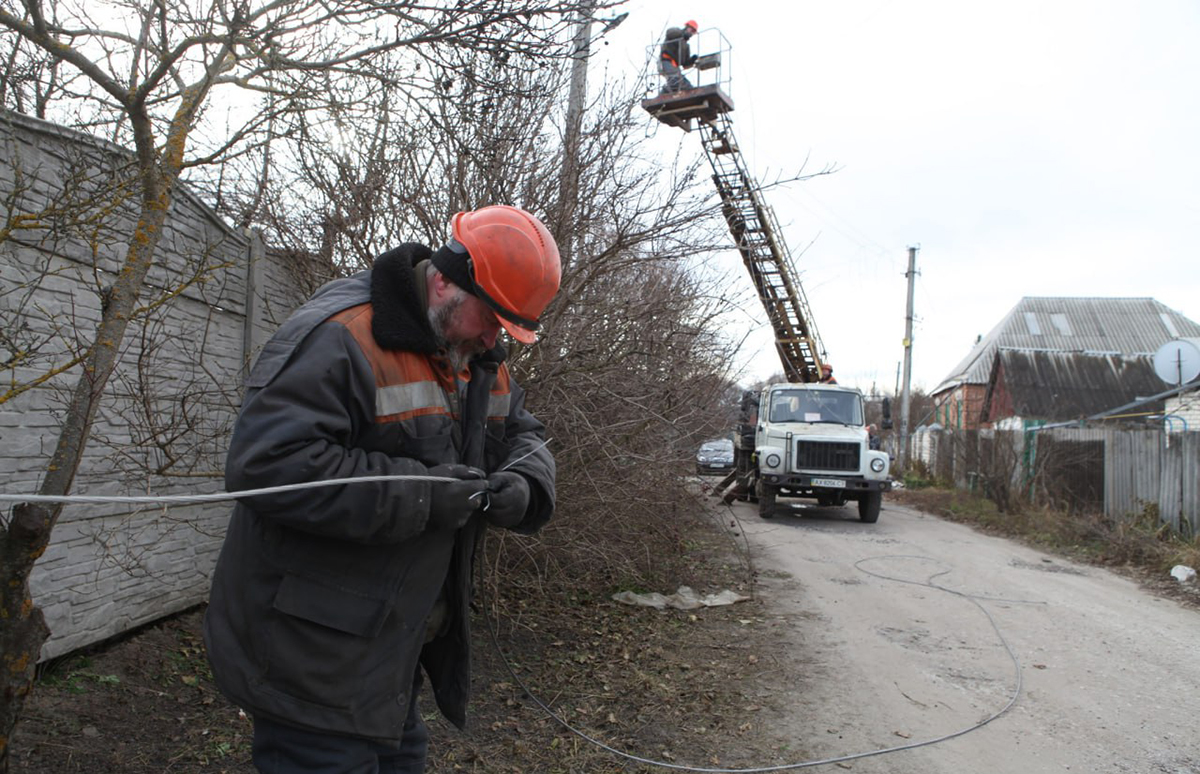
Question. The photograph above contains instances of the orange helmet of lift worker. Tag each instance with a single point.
(513, 262)
(691, 25)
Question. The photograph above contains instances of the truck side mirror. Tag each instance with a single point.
(886, 424)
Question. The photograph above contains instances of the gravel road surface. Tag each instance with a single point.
(916, 628)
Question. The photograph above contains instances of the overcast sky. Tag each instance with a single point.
(1028, 148)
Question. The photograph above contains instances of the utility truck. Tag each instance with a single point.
(810, 440)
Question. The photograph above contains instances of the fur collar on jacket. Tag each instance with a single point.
(400, 317)
(400, 320)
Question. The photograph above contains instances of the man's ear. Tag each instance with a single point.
(439, 287)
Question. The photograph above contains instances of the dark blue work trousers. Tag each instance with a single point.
(283, 749)
(676, 80)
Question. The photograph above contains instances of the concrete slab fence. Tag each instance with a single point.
(214, 296)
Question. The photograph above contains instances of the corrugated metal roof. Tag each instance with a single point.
(1060, 386)
(1123, 326)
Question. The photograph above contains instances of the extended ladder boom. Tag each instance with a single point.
(750, 219)
(760, 241)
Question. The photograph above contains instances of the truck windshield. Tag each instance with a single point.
(801, 405)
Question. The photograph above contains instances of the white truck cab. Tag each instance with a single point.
(811, 441)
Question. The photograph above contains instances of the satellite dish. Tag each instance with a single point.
(1178, 362)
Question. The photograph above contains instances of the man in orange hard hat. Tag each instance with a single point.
(827, 374)
(675, 54)
(328, 603)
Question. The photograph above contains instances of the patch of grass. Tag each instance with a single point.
(1138, 540)
(914, 480)
(74, 675)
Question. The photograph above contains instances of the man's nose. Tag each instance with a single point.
(491, 331)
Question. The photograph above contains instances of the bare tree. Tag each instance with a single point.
(475, 134)
(160, 79)
(632, 373)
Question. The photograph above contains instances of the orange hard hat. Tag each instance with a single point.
(691, 23)
(514, 264)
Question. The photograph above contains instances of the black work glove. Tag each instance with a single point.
(452, 503)
(508, 498)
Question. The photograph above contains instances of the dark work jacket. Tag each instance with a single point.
(320, 596)
(676, 49)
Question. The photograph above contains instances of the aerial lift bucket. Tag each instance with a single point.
(706, 100)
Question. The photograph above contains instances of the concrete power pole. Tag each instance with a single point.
(568, 185)
(911, 274)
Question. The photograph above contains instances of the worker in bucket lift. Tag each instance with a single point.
(675, 56)
(328, 603)
(827, 374)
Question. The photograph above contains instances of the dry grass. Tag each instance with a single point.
(1139, 544)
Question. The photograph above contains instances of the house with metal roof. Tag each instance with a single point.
(1038, 386)
(1111, 341)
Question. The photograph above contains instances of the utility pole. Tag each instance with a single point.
(911, 274)
(568, 184)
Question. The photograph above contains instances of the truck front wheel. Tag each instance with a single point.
(766, 500)
(868, 507)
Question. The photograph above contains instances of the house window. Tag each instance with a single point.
(1032, 324)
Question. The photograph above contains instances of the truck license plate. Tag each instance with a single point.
(831, 483)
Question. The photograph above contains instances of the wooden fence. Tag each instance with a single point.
(1114, 471)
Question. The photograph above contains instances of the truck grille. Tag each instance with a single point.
(825, 455)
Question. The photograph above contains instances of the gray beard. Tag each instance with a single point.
(439, 319)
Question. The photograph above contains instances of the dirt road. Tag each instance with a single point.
(916, 628)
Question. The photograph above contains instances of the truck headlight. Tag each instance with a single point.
(878, 465)
(773, 460)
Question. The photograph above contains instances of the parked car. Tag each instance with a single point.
(715, 457)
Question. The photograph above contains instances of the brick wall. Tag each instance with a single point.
(164, 421)
(960, 407)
